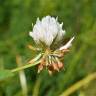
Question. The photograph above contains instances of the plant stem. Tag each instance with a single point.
(24, 67)
(79, 84)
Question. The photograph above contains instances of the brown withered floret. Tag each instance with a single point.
(50, 62)
(41, 65)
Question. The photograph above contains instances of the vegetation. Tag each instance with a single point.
(16, 18)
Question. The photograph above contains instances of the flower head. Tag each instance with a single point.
(47, 30)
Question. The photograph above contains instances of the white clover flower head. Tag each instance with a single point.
(47, 30)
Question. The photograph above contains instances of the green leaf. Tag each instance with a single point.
(4, 74)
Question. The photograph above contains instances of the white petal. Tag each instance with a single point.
(66, 46)
(30, 34)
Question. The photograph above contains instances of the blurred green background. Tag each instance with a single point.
(16, 18)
